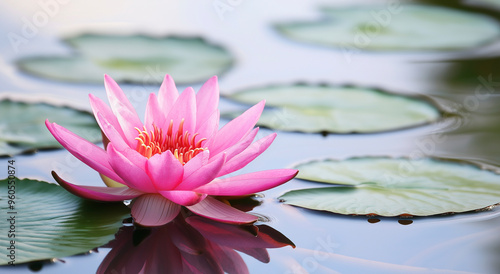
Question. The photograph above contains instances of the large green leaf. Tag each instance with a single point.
(52, 223)
(392, 187)
(396, 27)
(316, 108)
(137, 58)
(23, 126)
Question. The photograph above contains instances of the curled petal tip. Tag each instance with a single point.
(50, 127)
(289, 174)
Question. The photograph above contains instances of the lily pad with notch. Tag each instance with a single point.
(136, 58)
(396, 187)
(336, 109)
(49, 222)
(23, 126)
(395, 28)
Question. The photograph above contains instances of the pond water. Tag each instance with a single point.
(463, 83)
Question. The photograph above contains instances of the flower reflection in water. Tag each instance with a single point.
(190, 244)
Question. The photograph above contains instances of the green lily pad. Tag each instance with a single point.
(393, 187)
(396, 27)
(23, 126)
(319, 108)
(50, 222)
(136, 58)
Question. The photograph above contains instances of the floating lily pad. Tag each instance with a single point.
(50, 222)
(137, 58)
(316, 108)
(392, 187)
(22, 127)
(396, 27)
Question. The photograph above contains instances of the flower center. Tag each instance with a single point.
(181, 144)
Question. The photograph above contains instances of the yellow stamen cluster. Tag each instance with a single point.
(182, 145)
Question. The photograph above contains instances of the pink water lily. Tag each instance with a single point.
(175, 157)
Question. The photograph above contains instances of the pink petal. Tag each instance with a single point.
(207, 100)
(153, 210)
(132, 155)
(168, 94)
(196, 162)
(249, 183)
(109, 194)
(213, 209)
(154, 115)
(104, 115)
(183, 197)
(130, 166)
(87, 152)
(246, 156)
(165, 170)
(204, 175)
(111, 133)
(241, 145)
(233, 131)
(123, 110)
(184, 108)
(208, 129)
